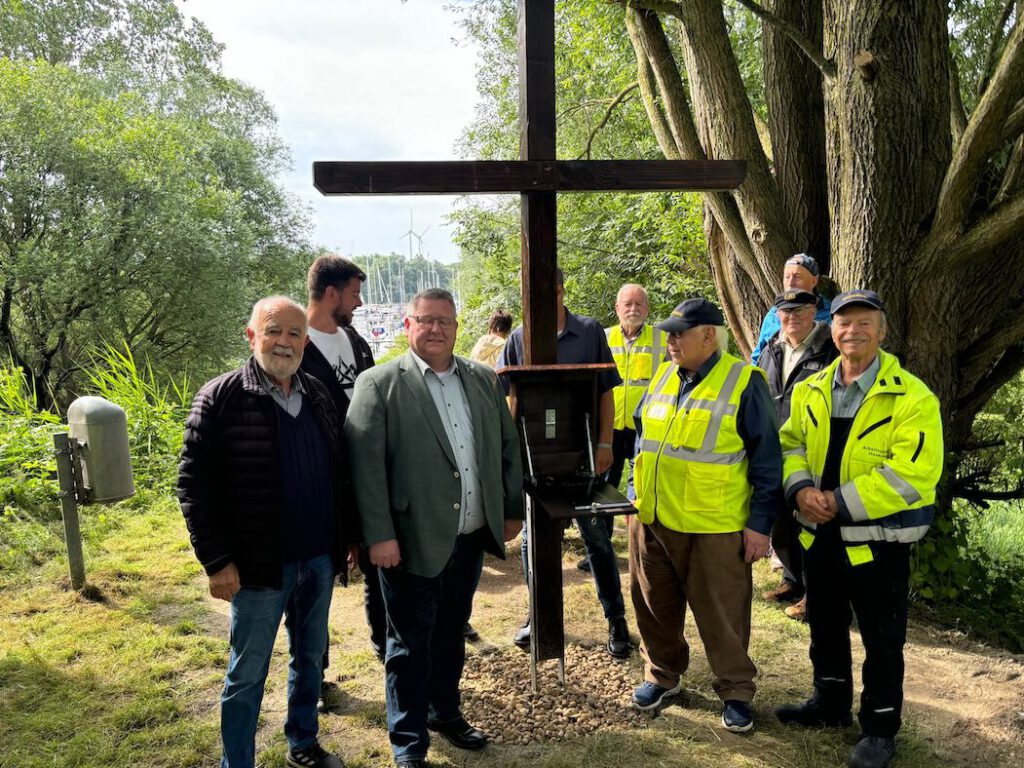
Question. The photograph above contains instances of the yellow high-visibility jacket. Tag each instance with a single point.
(890, 465)
(636, 366)
(691, 470)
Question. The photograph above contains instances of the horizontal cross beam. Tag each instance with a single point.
(499, 176)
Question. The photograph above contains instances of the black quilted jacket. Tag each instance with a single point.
(228, 480)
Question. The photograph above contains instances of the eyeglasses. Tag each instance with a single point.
(428, 320)
(795, 311)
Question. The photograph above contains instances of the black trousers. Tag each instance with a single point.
(373, 603)
(877, 593)
(786, 543)
(623, 448)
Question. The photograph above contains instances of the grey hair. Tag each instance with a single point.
(431, 294)
(642, 290)
(263, 304)
(721, 336)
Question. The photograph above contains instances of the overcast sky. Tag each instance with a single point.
(356, 80)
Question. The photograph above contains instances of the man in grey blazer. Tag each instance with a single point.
(438, 480)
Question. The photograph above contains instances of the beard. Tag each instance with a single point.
(342, 320)
(277, 367)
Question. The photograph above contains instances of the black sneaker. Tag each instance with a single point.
(469, 633)
(584, 565)
(313, 756)
(809, 714)
(872, 752)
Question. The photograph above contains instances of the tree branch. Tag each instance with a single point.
(993, 47)
(1009, 365)
(982, 136)
(827, 66)
(1015, 122)
(998, 227)
(607, 116)
(957, 113)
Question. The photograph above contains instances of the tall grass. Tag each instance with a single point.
(30, 522)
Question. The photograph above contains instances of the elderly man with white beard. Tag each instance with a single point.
(263, 487)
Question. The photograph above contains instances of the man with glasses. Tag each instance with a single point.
(800, 273)
(708, 484)
(438, 480)
(802, 348)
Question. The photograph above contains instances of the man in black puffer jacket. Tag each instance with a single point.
(263, 486)
(802, 348)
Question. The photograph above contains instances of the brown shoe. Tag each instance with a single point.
(787, 592)
(798, 610)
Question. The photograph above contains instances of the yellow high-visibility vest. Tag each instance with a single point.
(691, 471)
(636, 365)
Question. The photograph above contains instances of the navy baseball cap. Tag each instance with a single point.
(861, 296)
(795, 299)
(805, 261)
(690, 314)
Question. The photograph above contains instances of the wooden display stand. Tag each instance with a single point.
(555, 408)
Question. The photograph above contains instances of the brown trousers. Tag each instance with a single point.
(705, 570)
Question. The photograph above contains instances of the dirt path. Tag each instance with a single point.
(964, 701)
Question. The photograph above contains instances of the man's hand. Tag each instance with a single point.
(512, 529)
(755, 545)
(224, 584)
(353, 557)
(831, 503)
(385, 554)
(814, 505)
(602, 460)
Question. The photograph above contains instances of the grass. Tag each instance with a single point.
(131, 677)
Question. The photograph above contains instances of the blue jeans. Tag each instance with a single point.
(304, 599)
(596, 533)
(426, 649)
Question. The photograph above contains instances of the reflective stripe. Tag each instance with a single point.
(618, 350)
(798, 451)
(883, 710)
(859, 533)
(656, 353)
(854, 504)
(704, 457)
(906, 491)
(659, 398)
(805, 522)
(710, 405)
(688, 454)
(638, 383)
(799, 476)
(639, 349)
(669, 370)
(720, 406)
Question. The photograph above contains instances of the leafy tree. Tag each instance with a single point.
(604, 240)
(138, 204)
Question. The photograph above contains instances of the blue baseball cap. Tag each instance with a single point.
(861, 296)
(690, 314)
(805, 261)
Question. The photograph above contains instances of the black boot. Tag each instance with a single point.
(872, 752)
(811, 714)
(618, 639)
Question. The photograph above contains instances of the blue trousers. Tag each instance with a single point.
(304, 600)
(425, 648)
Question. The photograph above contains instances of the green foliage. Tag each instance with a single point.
(604, 240)
(30, 526)
(140, 206)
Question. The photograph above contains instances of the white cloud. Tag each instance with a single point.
(355, 80)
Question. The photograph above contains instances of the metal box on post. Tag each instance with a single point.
(101, 430)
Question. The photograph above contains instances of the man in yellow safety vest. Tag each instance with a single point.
(862, 456)
(708, 483)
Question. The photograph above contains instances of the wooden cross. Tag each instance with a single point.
(537, 176)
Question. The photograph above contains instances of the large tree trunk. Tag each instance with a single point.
(876, 170)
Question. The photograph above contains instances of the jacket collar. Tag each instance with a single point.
(891, 379)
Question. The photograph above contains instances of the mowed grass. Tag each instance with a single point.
(131, 676)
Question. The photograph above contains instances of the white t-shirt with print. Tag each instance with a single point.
(337, 348)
